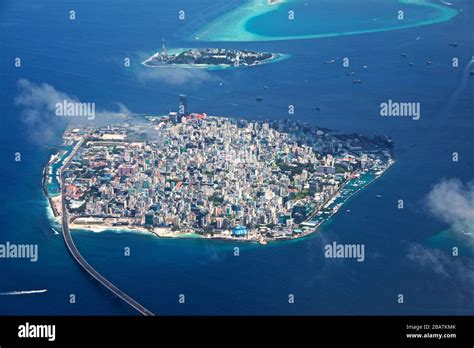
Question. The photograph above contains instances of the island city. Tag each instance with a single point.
(189, 174)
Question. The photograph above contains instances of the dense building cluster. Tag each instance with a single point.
(209, 175)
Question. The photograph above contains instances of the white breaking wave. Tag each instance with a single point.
(24, 292)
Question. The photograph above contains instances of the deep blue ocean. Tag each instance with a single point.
(84, 59)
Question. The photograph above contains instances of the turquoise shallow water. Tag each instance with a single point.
(255, 20)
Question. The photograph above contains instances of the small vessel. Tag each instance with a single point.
(428, 62)
(357, 81)
(472, 72)
(403, 55)
(259, 99)
(352, 73)
(332, 61)
(318, 108)
(55, 232)
(411, 64)
(418, 38)
(379, 196)
(365, 66)
(348, 211)
(453, 44)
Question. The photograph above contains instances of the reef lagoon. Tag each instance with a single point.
(256, 20)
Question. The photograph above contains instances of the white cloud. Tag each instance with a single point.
(432, 259)
(38, 104)
(176, 76)
(453, 203)
(454, 268)
(122, 110)
(39, 96)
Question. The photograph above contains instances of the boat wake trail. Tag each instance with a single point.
(465, 78)
(23, 292)
(461, 86)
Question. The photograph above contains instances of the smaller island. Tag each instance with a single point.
(210, 58)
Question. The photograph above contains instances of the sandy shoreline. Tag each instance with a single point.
(232, 26)
(159, 232)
